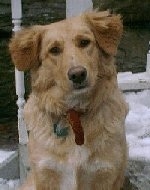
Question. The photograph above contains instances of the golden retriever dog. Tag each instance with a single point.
(75, 113)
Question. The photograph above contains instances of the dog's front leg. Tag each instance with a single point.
(46, 180)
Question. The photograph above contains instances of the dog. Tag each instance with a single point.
(75, 113)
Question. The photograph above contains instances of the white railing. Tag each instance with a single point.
(16, 7)
(19, 76)
(148, 60)
(137, 81)
(76, 7)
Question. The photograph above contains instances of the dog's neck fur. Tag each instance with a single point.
(79, 103)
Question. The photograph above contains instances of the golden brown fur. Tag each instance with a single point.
(58, 163)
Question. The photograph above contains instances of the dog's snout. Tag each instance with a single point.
(77, 74)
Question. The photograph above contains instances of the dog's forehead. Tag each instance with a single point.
(67, 28)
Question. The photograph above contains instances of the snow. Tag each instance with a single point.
(137, 131)
(9, 184)
(136, 81)
(4, 155)
(138, 125)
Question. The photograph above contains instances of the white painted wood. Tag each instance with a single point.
(138, 81)
(16, 9)
(76, 7)
(148, 63)
(20, 91)
(148, 60)
(19, 76)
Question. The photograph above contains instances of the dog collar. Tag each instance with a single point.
(75, 122)
(60, 131)
(73, 118)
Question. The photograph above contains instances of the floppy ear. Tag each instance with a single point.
(107, 29)
(25, 46)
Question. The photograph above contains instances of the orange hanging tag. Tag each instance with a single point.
(74, 120)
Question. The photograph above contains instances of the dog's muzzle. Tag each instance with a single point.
(78, 76)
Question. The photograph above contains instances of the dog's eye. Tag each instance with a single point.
(84, 43)
(55, 50)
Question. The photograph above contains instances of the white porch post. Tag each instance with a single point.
(75, 7)
(20, 91)
(19, 76)
(148, 60)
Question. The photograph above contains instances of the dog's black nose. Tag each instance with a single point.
(77, 74)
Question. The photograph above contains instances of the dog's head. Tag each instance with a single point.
(70, 55)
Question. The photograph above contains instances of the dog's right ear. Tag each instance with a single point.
(107, 29)
(25, 46)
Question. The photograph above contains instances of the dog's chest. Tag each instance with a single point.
(78, 166)
(77, 161)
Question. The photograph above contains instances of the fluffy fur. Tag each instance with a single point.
(57, 163)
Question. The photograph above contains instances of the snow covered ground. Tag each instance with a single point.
(137, 130)
(5, 158)
(138, 125)
(9, 184)
(5, 155)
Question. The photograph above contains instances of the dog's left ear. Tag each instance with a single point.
(107, 29)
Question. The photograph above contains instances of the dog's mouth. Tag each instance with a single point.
(80, 86)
